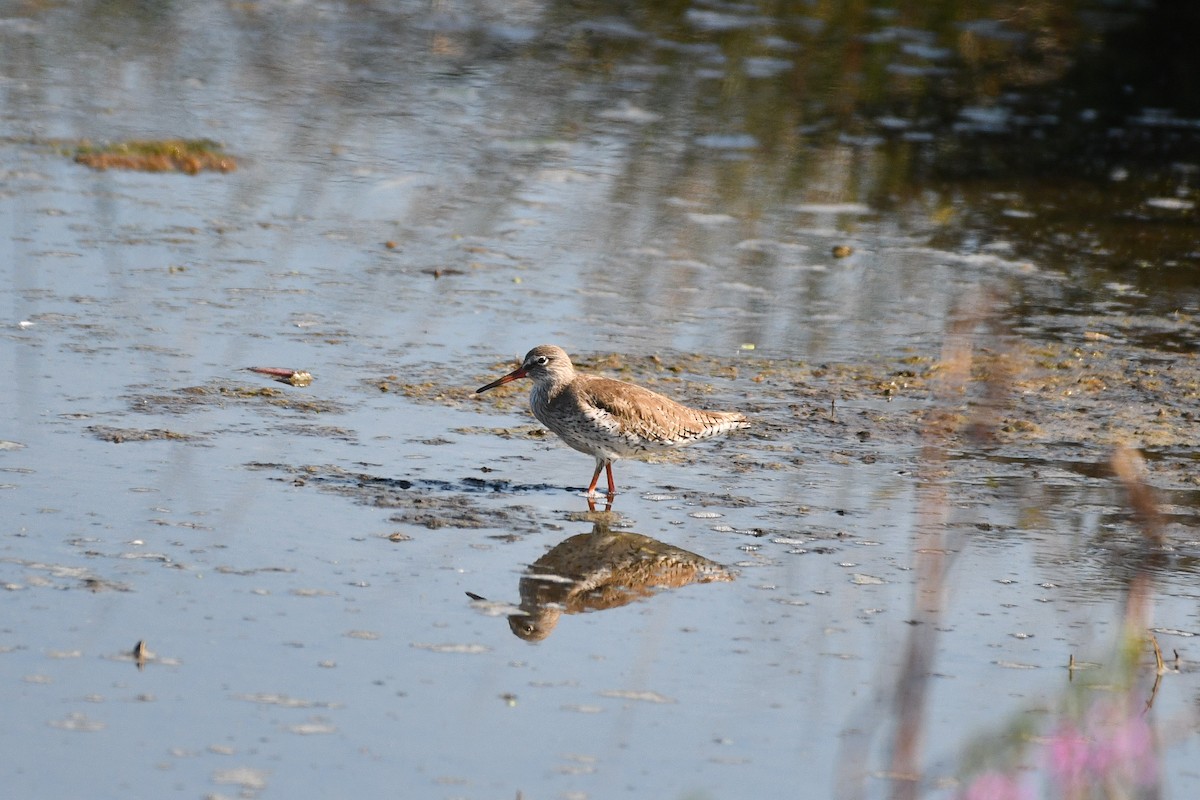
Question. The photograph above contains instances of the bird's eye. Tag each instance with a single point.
(542, 361)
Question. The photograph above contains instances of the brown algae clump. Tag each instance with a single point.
(168, 155)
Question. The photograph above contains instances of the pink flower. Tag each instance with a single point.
(994, 785)
(1068, 752)
(1123, 746)
(1114, 744)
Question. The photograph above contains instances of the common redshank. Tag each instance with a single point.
(606, 418)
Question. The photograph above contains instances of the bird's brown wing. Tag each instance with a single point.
(653, 417)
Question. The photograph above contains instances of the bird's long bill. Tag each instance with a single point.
(519, 372)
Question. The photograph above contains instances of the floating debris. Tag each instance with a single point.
(438, 272)
(470, 649)
(1171, 203)
(842, 251)
(251, 780)
(141, 654)
(643, 697)
(368, 636)
(189, 156)
(76, 721)
(283, 700)
(294, 377)
(314, 727)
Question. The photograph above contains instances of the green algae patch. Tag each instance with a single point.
(189, 156)
(106, 433)
(218, 395)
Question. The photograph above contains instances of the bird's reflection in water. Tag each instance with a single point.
(600, 570)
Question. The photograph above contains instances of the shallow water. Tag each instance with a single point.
(299, 560)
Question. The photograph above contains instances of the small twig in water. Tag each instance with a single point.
(1159, 667)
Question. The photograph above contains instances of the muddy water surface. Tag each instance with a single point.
(940, 345)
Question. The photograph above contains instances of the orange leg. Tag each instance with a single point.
(612, 486)
(591, 490)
